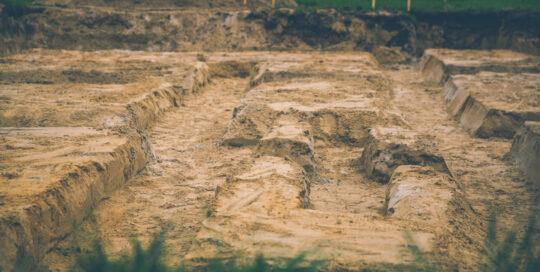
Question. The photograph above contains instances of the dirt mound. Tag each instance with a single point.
(487, 103)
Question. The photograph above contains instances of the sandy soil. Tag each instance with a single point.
(438, 64)
(177, 189)
(327, 153)
(72, 135)
(81, 89)
(488, 178)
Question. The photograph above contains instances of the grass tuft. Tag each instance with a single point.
(140, 259)
(16, 8)
(151, 260)
(505, 255)
(511, 253)
(17, 3)
(429, 5)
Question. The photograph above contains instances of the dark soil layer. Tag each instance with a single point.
(187, 28)
(412, 33)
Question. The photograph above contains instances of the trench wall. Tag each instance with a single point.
(33, 228)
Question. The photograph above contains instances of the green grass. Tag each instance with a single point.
(428, 5)
(17, 3)
(18, 8)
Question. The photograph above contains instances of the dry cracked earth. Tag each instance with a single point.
(231, 154)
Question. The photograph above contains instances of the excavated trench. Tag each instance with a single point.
(232, 154)
(316, 140)
(175, 190)
(326, 153)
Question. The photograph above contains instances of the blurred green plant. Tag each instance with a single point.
(140, 259)
(151, 260)
(17, 3)
(506, 255)
(26, 262)
(259, 264)
(18, 8)
(512, 254)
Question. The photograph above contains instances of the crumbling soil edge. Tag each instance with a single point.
(37, 228)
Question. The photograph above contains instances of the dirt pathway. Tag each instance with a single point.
(175, 190)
